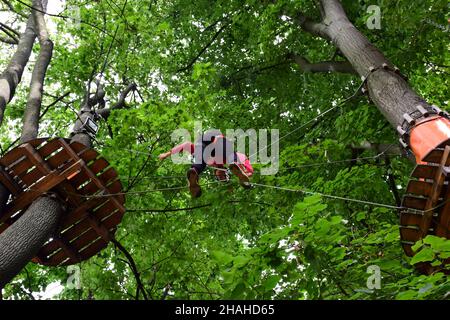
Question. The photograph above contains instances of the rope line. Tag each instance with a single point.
(376, 204)
(137, 192)
(289, 168)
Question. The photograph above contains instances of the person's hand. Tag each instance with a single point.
(165, 155)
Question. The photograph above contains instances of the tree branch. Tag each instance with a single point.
(325, 66)
(132, 265)
(52, 104)
(32, 7)
(13, 35)
(9, 40)
(194, 60)
(31, 117)
(11, 8)
(317, 29)
(106, 112)
(8, 28)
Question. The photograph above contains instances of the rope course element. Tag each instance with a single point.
(427, 203)
(64, 170)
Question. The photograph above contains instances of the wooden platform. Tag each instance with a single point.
(81, 179)
(427, 203)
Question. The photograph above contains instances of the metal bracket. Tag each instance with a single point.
(410, 120)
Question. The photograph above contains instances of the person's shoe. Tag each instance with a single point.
(194, 187)
(243, 178)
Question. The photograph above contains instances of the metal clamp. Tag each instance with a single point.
(410, 120)
(372, 70)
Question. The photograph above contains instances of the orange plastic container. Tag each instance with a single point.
(427, 135)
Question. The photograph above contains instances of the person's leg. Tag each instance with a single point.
(193, 174)
(232, 159)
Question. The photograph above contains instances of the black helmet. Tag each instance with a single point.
(208, 136)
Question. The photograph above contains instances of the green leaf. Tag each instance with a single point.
(424, 255)
(271, 282)
(222, 257)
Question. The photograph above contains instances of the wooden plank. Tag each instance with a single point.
(113, 220)
(79, 148)
(89, 155)
(47, 149)
(443, 225)
(425, 171)
(58, 159)
(108, 176)
(48, 249)
(89, 189)
(3, 227)
(47, 183)
(68, 193)
(21, 167)
(435, 192)
(99, 165)
(407, 234)
(81, 212)
(410, 219)
(116, 189)
(36, 159)
(84, 240)
(415, 203)
(417, 187)
(108, 215)
(93, 249)
(104, 210)
(68, 250)
(9, 183)
(11, 157)
(32, 177)
(56, 259)
(435, 156)
(76, 230)
(80, 179)
(100, 185)
(36, 143)
(99, 228)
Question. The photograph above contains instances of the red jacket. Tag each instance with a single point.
(243, 161)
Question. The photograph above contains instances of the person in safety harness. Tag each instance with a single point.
(213, 149)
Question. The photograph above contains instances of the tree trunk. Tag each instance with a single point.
(22, 241)
(27, 235)
(31, 117)
(12, 76)
(388, 90)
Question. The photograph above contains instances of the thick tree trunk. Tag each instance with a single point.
(12, 76)
(31, 117)
(18, 235)
(18, 244)
(23, 240)
(388, 90)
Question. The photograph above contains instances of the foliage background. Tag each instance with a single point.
(257, 244)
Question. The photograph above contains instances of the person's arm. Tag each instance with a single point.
(186, 147)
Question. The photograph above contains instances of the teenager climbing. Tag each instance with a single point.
(213, 149)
